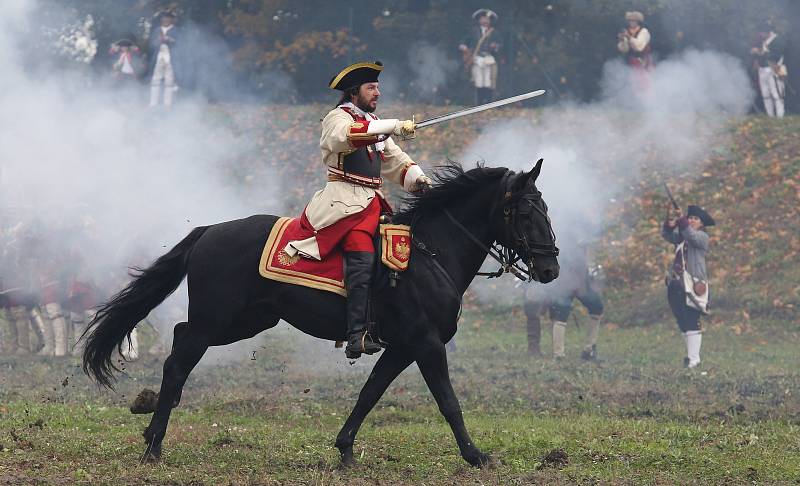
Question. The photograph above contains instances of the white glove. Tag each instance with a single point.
(423, 183)
(404, 128)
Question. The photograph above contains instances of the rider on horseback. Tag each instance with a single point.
(358, 153)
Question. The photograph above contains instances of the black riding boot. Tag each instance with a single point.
(357, 278)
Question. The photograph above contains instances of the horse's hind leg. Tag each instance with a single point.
(391, 363)
(178, 334)
(147, 401)
(186, 353)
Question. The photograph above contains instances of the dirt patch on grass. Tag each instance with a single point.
(145, 402)
(557, 458)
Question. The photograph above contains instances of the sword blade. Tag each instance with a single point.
(478, 109)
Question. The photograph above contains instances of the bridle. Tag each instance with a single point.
(515, 207)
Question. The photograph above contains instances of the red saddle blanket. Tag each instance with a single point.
(276, 264)
(328, 273)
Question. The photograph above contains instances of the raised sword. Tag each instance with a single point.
(478, 109)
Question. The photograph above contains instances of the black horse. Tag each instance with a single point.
(454, 225)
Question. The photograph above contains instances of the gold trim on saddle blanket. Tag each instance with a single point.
(283, 274)
(396, 246)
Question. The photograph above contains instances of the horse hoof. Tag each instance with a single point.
(348, 461)
(150, 458)
(481, 460)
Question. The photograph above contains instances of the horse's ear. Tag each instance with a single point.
(524, 177)
(537, 169)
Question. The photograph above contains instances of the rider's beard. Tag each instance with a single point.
(364, 104)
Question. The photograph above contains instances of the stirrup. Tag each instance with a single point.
(362, 344)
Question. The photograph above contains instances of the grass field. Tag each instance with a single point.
(635, 417)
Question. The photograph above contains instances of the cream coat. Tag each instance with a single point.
(339, 199)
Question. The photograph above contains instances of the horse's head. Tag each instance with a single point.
(522, 226)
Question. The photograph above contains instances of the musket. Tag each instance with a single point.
(477, 109)
(671, 198)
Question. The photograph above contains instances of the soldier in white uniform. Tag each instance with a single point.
(358, 154)
(163, 59)
(479, 51)
(768, 53)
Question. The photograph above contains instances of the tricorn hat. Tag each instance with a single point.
(356, 75)
(701, 214)
(124, 43)
(635, 15)
(484, 11)
(165, 13)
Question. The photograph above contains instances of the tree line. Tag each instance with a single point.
(291, 49)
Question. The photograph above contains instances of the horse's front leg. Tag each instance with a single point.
(432, 361)
(391, 363)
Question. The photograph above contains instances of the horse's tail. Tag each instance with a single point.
(115, 320)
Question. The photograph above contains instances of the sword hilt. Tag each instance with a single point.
(411, 137)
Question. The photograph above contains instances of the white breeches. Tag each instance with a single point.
(484, 72)
(162, 72)
(55, 315)
(772, 91)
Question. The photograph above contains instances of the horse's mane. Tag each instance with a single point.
(451, 182)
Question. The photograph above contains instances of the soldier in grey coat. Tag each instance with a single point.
(687, 233)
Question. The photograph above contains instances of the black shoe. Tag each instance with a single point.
(685, 362)
(360, 343)
(589, 354)
(357, 279)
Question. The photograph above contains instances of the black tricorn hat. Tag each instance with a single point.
(356, 75)
(124, 43)
(701, 213)
(165, 13)
(484, 11)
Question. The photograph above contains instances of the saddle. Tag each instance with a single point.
(392, 243)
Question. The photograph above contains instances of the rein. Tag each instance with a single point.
(501, 252)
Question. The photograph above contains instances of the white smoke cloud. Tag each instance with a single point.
(81, 157)
(593, 152)
(431, 69)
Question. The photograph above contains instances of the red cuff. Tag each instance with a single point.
(357, 134)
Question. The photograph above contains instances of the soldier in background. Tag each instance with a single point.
(634, 43)
(687, 281)
(579, 279)
(480, 52)
(54, 281)
(768, 63)
(27, 332)
(164, 59)
(127, 62)
(81, 294)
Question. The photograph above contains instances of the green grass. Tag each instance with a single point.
(101, 445)
(636, 417)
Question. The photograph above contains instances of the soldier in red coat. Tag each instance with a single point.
(634, 43)
(20, 293)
